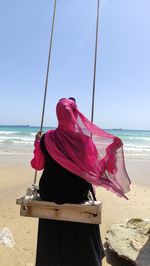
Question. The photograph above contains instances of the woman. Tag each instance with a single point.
(75, 156)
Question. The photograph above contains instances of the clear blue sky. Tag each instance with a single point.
(123, 66)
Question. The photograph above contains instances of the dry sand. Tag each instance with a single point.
(16, 175)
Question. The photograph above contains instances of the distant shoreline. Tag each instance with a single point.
(115, 129)
(15, 126)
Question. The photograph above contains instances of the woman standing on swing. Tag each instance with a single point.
(72, 163)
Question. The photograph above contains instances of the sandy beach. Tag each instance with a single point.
(16, 175)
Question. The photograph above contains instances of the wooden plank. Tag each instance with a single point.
(85, 212)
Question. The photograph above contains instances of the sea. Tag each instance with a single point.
(20, 140)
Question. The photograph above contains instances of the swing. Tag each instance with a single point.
(31, 205)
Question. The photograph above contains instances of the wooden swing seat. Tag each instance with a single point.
(86, 212)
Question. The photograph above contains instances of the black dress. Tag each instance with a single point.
(62, 243)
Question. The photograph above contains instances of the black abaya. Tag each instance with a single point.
(62, 243)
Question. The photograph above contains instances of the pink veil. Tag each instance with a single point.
(86, 150)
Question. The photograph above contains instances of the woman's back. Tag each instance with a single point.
(59, 185)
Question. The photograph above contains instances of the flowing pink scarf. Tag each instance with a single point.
(86, 150)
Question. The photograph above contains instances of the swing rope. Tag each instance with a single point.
(95, 61)
(47, 75)
(48, 66)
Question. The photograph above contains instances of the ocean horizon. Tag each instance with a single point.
(19, 139)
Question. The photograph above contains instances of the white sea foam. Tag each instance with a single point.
(33, 134)
(137, 148)
(8, 132)
(136, 145)
(138, 155)
(17, 140)
(140, 138)
(15, 152)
